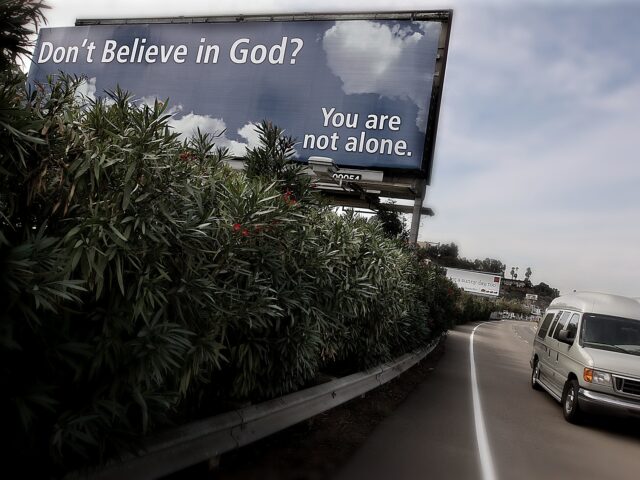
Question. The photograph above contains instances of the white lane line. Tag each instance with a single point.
(486, 461)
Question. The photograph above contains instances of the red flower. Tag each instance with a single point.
(187, 156)
(236, 227)
(245, 232)
(289, 199)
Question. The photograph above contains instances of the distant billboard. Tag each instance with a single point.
(475, 282)
(363, 89)
(531, 296)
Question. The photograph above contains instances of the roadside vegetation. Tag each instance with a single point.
(143, 283)
(513, 293)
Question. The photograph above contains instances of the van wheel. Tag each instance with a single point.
(570, 407)
(535, 375)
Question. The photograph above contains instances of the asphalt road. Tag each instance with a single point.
(437, 432)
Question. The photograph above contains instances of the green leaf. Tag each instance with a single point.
(119, 274)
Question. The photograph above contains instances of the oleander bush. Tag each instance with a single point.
(144, 283)
(473, 309)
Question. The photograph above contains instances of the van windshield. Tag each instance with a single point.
(611, 333)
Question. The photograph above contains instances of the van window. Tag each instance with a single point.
(611, 333)
(555, 322)
(572, 326)
(544, 326)
(564, 325)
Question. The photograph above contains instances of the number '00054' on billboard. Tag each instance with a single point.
(475, 282)
(362, 89)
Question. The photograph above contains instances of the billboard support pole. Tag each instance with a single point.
(417, 213)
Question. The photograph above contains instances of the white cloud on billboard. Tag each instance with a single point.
(190, 123)
(86, 89)
(375, 58)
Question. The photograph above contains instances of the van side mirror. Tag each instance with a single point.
(566, 336)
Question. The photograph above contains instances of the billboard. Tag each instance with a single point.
(475, 282)
(361, 89)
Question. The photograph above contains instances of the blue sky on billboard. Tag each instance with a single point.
(536, 158)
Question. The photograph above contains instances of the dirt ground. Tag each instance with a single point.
(316, 448)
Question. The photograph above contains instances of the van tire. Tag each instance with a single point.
(535, 375)
(570, 406)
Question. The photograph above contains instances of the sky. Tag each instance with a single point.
(536, 159)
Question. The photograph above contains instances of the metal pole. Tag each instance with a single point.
(416, 215)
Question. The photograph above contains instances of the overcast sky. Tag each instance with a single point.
(537, 159)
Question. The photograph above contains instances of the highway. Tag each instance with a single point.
(505, 430)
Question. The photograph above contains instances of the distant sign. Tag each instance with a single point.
(531, 296)
(357, 88)
(475, 282)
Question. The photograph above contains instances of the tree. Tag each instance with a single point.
(545, 290)
(445, 253)
(393, 223)
(527, 277)
(491, 265)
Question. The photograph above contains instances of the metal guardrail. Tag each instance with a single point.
(202, 440)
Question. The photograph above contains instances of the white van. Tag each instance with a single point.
(586, 354)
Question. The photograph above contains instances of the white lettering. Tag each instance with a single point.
(46, 49)
(260, 56)
(243, 51)
(278, 50)
(327, 115)
(108, 54)
(151, 54)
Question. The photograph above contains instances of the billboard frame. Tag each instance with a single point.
(478, 272)
(444, 17)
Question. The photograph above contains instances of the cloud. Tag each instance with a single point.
(150, 100)
(86, 90)
(536, 159)
(189, 124)
(250, 134)
(371, 57)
